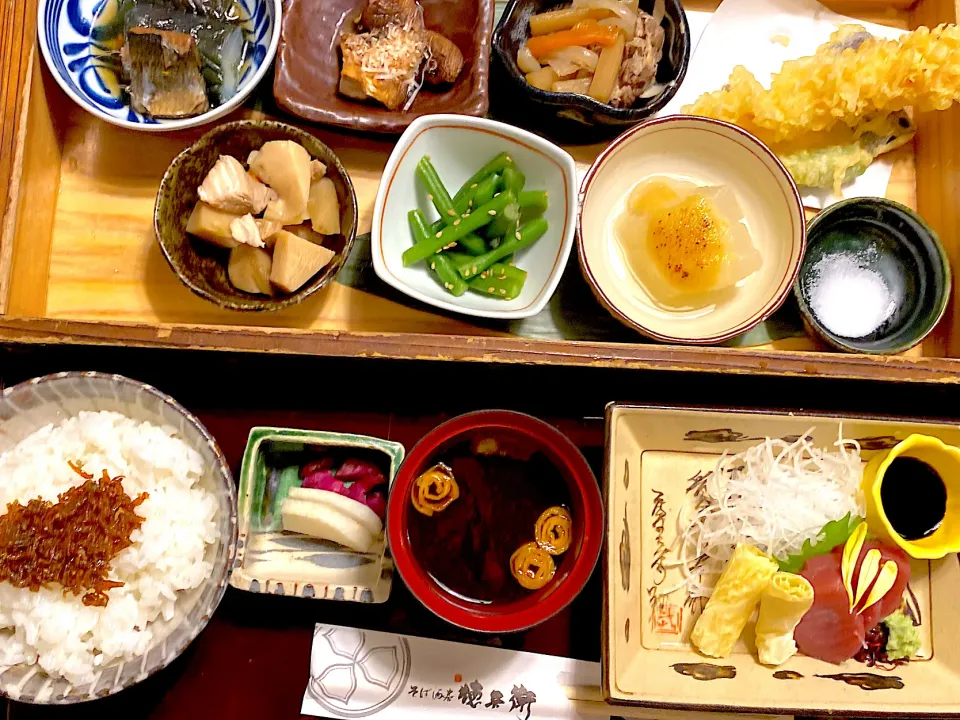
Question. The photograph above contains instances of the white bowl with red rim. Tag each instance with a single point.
(458, 146)
(708, 153)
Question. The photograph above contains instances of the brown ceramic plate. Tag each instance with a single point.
(201, 266)
(655, 463)
(308, 64)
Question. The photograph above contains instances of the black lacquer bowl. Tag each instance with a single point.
(568, 117)
(894, 242)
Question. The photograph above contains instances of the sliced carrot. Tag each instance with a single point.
(592, 35)
(556, 20)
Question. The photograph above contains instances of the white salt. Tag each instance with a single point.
(849, 299)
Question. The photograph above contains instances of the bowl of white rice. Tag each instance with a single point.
(54, 648)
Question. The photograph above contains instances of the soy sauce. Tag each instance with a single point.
(914, 498)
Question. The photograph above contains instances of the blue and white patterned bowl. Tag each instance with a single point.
(83, 64)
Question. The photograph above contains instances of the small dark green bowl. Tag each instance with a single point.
(892, 240)
(201, 266)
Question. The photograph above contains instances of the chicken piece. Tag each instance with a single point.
(164, 71)
(384, 63)
(317, 170)
(245, 231)
(228, 187)
(640, 59)
(268, 230)
(446, 60)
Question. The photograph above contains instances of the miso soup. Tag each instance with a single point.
(501, 487)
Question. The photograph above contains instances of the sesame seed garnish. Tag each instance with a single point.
(452, 212)
(502, 291)
(496, 194)
(517, 235)
(430, 198)
(473, 186)
(433, 266)
(448, 286)
(473, 270)
(470, 204)
(491, 289)
(491, 212)
(439, 234)
(546, 194)
(456, 222)
(509, 159)
(447, 247)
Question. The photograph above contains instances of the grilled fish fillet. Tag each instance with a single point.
(164, 71)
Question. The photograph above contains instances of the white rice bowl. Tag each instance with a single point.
(56, 631)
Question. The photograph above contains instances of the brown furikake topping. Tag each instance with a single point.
(70, 542)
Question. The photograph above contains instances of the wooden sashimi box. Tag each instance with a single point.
(79, 262)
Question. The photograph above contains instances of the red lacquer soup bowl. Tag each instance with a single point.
(573, 568)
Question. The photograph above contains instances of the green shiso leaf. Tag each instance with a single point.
(835, 532)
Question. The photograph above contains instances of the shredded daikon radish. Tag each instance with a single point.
(774, 496)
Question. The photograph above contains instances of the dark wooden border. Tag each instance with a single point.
(507, 350)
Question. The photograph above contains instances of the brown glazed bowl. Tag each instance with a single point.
(202, 267)
(308, 64)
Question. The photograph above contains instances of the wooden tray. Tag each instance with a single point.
(655, 456)
(79, 262)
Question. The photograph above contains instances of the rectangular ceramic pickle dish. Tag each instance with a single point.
(658, 461)
(270, 560)
(80, 263)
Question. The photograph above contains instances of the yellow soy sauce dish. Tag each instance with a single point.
(913, 497)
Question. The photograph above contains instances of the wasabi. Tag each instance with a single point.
(904, 637)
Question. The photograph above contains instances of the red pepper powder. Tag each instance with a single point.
(70, 542)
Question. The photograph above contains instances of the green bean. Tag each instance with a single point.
(473, 244)
(501, 269)
(480, 195)
(435, 190)
(526, 236)
(497, 283)
(505, 223)
(451, 234)
(513, 179)
(458, 257)
(441, 267)
(485, 192)
(496, 165)
(533, 200)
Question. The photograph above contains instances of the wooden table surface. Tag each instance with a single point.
(252, 660)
